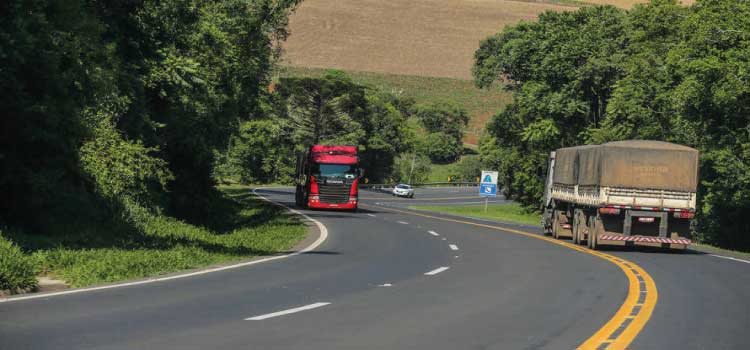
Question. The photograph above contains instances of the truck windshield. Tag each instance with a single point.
(348, 171)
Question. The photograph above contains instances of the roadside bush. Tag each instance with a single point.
(441, 148)
(468, 168)
(403, 171)
(16, 270)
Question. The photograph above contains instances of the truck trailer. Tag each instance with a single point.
(327, 178)
(622, 193)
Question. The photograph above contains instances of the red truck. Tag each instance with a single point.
(327, 178)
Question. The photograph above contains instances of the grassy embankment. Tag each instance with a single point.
(480, 104)
(502, 212)
(146, 244)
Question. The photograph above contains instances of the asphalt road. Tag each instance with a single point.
(388, 279)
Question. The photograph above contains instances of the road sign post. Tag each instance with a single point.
(488, 186)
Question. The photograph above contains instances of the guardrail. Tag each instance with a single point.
(387, 188)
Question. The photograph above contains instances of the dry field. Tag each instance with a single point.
(629, 3)
(435, 38)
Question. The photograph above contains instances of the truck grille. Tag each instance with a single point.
(337, 194)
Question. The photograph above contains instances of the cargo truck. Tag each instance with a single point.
(327, 178)
(622, 193)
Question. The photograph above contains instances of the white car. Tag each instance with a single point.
(403, 191)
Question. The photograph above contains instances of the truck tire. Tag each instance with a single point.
(577, 227)
(555, 224)
(595, 228)
(581, 226)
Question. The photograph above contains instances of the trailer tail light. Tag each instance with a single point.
(684, 215)
(609, 211)
(646, 220)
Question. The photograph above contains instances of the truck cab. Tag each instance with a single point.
(328, 178)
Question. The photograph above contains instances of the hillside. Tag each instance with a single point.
(481, 104)
(434, 38)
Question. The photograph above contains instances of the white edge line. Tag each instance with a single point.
(437, 271)
(433, 233)
(373, 215)
(323, 236)
(453, 246)
(287, 312)
(403, 222)
(730, 258)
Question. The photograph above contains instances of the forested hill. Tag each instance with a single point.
(659, 71)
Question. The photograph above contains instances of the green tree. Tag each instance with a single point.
(335, 110)
(411, 168)
(444, 117)
(113, 99)
(660, 71)
(561, 70)
(469, 168)
(439, 147)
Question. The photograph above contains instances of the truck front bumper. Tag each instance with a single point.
(343, 206)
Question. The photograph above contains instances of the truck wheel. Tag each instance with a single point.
(591, 232)
(555, 224)
(594, 229)
(580, 223)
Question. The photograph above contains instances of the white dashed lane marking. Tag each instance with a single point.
(287, 312)
(437, 271)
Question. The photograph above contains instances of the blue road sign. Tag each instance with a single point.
(488, 190)
(488, 186)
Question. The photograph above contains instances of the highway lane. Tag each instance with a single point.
(500, 291)
(704, 301)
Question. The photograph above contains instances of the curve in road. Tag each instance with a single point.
(632, 315)
(376, 283)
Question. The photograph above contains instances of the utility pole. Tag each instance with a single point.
(413, 158)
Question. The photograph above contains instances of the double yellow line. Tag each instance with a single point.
(630, 318)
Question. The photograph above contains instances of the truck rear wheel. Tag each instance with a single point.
(595, 228)
(555, 224)
(581, 223)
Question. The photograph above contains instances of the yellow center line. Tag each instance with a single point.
(618, 332)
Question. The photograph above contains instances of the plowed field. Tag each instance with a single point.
(435, 38)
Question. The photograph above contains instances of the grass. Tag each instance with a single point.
(17, 271)
(502, 212)
(707, 248)
(147, 244)
(440, 172)
(480, 104)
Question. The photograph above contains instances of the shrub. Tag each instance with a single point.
(441, 148)
(17, 271)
